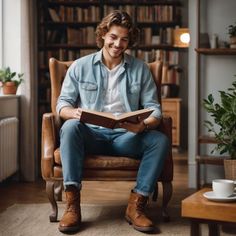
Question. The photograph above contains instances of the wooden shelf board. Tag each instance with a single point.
(207, 139)
(159, 2)
(156, 46)
(158, 23)
(65, 24)
(211, 160)
(67, 46)
(216, 51)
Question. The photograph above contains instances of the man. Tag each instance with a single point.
(111, 81)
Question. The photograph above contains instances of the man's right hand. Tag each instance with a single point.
(70, 113)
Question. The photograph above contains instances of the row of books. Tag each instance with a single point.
(148, 36)
(75, 14)
(74, 36)
(86, 36)
(81, 36)
(170, 57)
(170, 74)
(156, 13)
(127, 8)
(45, 94)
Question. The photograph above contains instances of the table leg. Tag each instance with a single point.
(194, 228)
(213, 229)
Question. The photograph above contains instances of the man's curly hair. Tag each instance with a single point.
(119, 18)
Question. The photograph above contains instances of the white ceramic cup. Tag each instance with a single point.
(223, 187)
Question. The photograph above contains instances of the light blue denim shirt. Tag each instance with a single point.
(85, 87)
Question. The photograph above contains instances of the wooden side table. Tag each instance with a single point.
(200, 210)
(172, 107)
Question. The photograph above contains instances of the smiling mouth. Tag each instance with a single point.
(117, 50)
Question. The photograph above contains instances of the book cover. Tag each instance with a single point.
(112, 121)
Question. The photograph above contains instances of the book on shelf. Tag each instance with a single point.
(112, 121)
(55, 17)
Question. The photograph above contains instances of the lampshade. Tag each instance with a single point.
(181, 37)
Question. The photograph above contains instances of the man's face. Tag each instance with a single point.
(116, 41)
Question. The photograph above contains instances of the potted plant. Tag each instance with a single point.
(10, 80)
(232, 35)
(224, 125)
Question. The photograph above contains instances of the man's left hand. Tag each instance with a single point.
(135, 128)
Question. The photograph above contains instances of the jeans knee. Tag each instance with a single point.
(70, 127)
(165, 141)
(159, 139)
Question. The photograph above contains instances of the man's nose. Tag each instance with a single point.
(117, 43)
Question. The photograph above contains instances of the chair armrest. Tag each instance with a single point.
(166, 127)
(48, 145)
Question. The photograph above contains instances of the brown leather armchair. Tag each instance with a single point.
(96, 167)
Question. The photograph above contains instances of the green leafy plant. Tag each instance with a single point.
(232, 30)
(224, 115)
(6, 75)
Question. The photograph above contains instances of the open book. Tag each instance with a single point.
(112, 121)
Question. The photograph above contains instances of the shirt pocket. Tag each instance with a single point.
(88, 92)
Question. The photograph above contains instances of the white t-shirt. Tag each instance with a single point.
(112, 102)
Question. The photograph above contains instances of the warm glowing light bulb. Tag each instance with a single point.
(185, 38)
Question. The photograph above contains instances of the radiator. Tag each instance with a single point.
(8, 147)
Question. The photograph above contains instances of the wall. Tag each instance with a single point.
(216, 74)
(11, 34)
(18, 53)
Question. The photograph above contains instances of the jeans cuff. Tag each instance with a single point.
(77, 185)
(145, 194)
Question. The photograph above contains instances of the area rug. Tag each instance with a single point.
(98, 220)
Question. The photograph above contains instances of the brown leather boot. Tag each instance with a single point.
(71, 218)
(135, 213)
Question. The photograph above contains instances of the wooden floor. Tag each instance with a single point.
(12, 192)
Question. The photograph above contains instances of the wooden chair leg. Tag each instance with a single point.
(58, 190)
(155, 193)
(167, 194)
(198, 170)
(50, 188)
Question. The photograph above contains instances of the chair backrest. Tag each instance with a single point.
(58, 71)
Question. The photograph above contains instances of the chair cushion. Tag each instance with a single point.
(104, 162)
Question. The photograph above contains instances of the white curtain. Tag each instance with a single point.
(29, 130)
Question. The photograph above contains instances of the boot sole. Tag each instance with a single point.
(65, 229)
(139, 228)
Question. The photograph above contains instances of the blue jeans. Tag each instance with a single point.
(78, 139)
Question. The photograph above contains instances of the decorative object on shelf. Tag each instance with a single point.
(232, 35)
(224, 114)
(181, 37)
(214, 41)
(9, 81)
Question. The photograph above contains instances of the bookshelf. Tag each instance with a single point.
(66, 32)
(204, 141)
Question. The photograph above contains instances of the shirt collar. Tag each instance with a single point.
(98, 58)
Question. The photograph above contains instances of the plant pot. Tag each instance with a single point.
(9, 88)
(230, 169)
(232, 42)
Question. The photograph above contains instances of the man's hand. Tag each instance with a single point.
(70, 113)
(150, 122)
(135, 128)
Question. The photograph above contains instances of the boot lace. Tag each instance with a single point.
(141, 204)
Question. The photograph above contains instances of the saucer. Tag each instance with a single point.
(211, 196)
